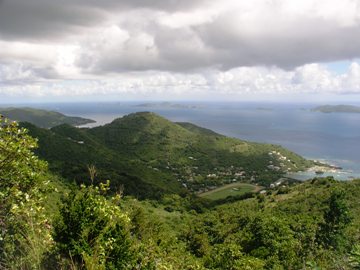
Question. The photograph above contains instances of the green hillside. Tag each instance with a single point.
(47, 223)
(148, 155)
(313, 225)
(42, 118)
(70, 151)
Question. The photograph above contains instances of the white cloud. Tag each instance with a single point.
(34, 53)
(235, 83)
(315, 78)
(351, 80)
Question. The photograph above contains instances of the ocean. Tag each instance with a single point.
(330, 137)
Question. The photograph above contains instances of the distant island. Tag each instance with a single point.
(42, 118)
(337, 109)
(264, 109)
(168, 105)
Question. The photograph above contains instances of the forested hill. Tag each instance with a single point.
(149, 155)
(42, 118)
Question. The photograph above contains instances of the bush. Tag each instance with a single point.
(336, 219)
(355, 257)
(93, 231)
(229, 256)
(24, 229)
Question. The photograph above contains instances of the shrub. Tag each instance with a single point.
(24, 229)
(93, 231)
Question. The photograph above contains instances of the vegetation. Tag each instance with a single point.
(42, 118)
(24, 230)
(92, 231)
(311, 225)
(150, 156)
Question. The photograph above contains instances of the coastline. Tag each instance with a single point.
(323, 169)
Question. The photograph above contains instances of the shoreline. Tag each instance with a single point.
(322, 169)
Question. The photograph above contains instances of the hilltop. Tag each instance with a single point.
(42, 118)
(149, 155)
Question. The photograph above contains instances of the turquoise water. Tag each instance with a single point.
(330, 137)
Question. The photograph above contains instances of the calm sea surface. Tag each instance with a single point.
(333, 137)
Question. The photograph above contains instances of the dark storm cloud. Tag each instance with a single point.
(36, 19)
(44, 19)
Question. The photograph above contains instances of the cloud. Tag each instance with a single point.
(189, 35)
(229, 34)
(39, 20)
(47, 60)
(43, 20)
(234, 84)
(351, 80)
(230, 47)
(136, 50)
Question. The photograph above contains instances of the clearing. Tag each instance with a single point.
(233, 189)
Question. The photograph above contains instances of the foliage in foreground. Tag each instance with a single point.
(93, 231)
(24, 226)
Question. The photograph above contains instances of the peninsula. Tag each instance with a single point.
(42, 118)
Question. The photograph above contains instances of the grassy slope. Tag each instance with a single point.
(42, 118)
(234, 189)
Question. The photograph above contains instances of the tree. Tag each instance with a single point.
(24, 232)
(271, 239)
(336, 218)
(229, 256)
(19, 167)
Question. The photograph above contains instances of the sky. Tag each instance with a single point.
(89, 50)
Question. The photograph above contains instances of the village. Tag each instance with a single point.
(199, 180)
